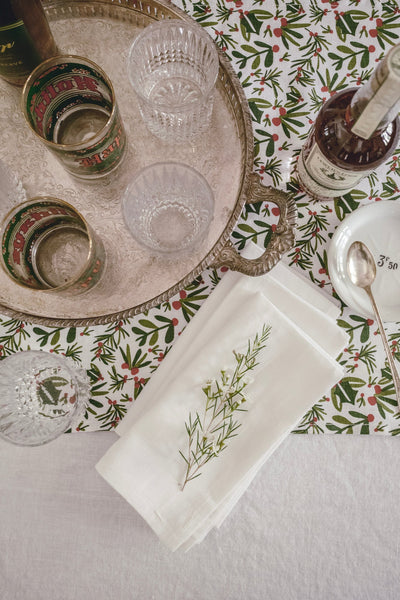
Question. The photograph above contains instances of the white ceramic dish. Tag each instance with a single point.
(378, 226)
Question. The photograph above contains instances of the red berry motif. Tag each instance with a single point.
(287, 61)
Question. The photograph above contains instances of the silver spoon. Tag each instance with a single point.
(362, 272)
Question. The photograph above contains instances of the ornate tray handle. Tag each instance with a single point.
(282, 239)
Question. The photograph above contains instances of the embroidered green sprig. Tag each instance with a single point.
(208, 434)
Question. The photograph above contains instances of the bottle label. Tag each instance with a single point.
(323, 178)
(384, 87)
(18, 56)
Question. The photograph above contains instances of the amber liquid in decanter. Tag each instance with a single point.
(333, 139)
(345, 149)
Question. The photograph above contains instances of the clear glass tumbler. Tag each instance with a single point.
(173, 67)
(41, 396)
(168, 208)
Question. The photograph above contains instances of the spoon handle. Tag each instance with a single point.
(395, 375)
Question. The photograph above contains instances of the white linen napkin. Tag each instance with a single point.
(296, 368)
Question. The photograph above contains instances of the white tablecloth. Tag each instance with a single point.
(320, 521)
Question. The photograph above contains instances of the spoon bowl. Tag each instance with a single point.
(361, 265)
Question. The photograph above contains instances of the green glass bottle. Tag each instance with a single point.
(25, 39)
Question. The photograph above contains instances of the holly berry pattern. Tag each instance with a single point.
(290, 57)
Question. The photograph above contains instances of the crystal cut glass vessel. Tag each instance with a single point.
(41, 396)
(173, 67)
(168, 208)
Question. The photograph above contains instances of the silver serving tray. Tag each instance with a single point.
(134, 280)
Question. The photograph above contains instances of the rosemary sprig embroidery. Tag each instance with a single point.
(208, 434)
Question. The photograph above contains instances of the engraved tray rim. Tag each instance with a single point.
(221, 253)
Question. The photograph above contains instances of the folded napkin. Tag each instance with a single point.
(295, 369)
